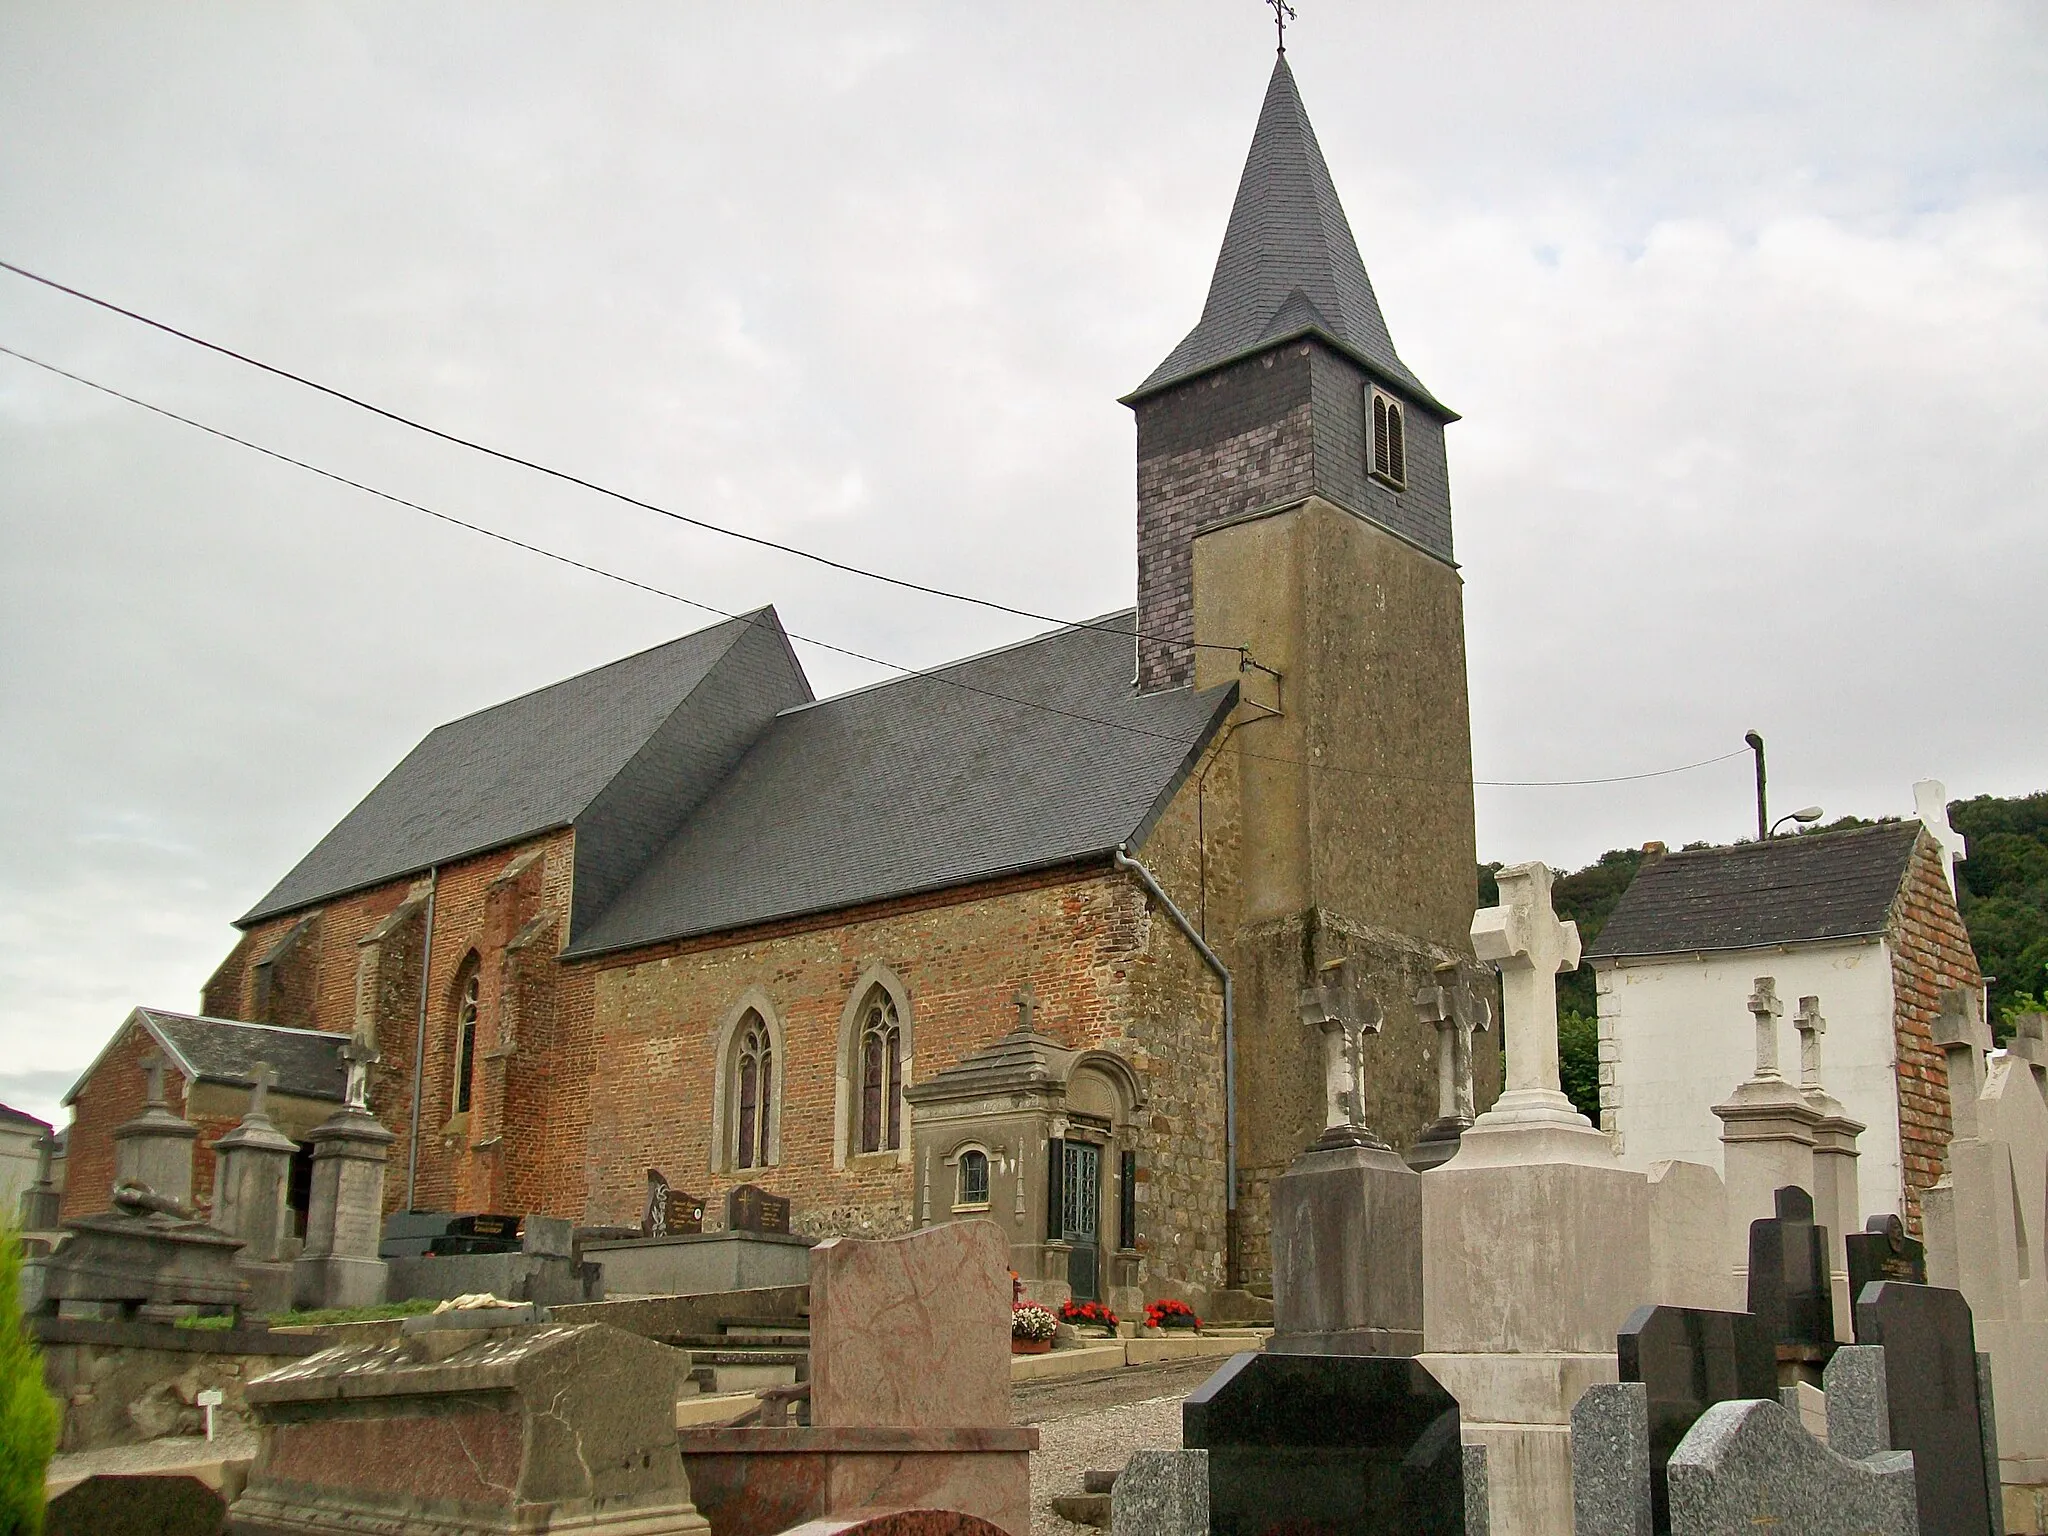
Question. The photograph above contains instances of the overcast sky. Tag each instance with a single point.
(1745, 307)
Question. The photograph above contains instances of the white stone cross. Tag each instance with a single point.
(262, 1078)
(1766, 1009)
(1525, 941)
(1811, 1027)
(1965, 1040)
(2029, 1042)
(1930, 804)
(1457, 1013)
(153, 1067)
(1339, 1005)
(46, 1158)
(360, 1056)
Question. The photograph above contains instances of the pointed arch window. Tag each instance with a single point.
(881, 1075)
(1389, 440)
(469, 994)
(753, 1092)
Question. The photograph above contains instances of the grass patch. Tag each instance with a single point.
(327, 1315)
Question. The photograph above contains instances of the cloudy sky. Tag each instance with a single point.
(1745, 307)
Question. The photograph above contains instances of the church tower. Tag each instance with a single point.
(1293, 500)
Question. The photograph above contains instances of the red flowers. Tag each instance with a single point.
(1169, 1313)
(1087, 1314)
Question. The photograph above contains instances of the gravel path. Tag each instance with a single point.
(1096, 1422)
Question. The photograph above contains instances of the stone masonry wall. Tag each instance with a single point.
(1931, 954)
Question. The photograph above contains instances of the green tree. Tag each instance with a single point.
(1578, 1060)
(28, 1414)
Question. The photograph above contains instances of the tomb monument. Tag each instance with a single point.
(251, 1191)
(339, 1265)
(1767, 1131)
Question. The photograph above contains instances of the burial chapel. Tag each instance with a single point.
(1025, 935)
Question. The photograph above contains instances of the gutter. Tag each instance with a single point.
(1123, 860)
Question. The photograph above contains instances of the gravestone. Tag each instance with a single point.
(1767, 1130)
(1611, 1461)
(137, 1505)
(1322, 1445)
(1790, 1289)
(40, 1202)
(154, 1150)
(1836, 1201)
(751, 1209)
(1882, 1251)
(1457, 1012)
(669, 1212)
(1688, 1360)
(339, 1266)
(1161, 1493)
(251, 1186)
(1748, 1466)
(1347, 1216)
(1930, 1367)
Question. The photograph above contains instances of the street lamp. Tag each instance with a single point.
(1805, 817)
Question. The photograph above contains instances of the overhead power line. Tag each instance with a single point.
(937, 675)
(574, 479)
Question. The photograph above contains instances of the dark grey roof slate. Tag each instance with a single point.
(1289, 264)
(12, 1116)
(1828, 885)
(1045, 755)
(538, 762)
(307, 1061)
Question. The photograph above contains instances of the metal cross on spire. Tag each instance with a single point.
(1283, 13)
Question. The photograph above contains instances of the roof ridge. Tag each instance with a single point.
(210, 1018)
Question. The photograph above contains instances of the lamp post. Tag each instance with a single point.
(1763, 815)
(1805, 816)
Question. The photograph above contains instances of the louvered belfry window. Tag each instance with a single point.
(1389, 448)
(881, 1075)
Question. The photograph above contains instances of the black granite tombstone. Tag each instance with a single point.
(1690, 1359)
(1882, 1251)
(751, 1209)
(1328, 1445)
(1930, 1368)
(137, 1505)
(1788, 1279)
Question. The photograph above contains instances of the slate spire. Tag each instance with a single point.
(1289, 264)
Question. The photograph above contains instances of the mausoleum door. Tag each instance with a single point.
(1081, 1204)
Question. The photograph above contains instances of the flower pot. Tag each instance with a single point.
(1031, 1346)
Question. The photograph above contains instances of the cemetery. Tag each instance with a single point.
(1525, 1336)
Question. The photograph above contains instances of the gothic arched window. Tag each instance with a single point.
(881, 1075)
(753, 1092)
(1389, 446)
(469, 990)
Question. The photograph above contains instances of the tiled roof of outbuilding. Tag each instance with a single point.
(1289, 264)
(307, 1061)
(1037, 754)
(1825, 885)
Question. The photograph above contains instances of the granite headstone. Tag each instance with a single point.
(1882, 1251)
(752, 1209)
(1688, 1360)
(1749, 1466)
(1788, 1278)
(1328, 1445)
(1930, 1367)
(1611, 1460)
(1161, 1493)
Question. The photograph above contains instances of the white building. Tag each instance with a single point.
(1865, 920)
(19, 1134)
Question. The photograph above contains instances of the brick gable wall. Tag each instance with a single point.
(1931, 954)
(115, 1093)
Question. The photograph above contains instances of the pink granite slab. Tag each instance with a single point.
(468, 1458)
(912, 1331)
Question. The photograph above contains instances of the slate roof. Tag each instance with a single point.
(9, 1115)
(1830, 885)
(1037, 754)
(307, 1061)
(1289, 265)
(541, 760)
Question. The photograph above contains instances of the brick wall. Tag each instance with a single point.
(1931, 954)
(113, 1095)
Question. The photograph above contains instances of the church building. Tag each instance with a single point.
(1022, 936)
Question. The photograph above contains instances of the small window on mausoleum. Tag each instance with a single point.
(881, 1075)
(465, 1039)
(1389, 446)
(973, 1179)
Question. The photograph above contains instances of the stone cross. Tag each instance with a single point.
(1027, 1009)
(46, 1158)
(360, 1056)
(1525, 941)
(1766, 1009)
(262, 1079)
(1457, 1013)
(2029, 1042)
(153, 1066)
(1811, 1027)
(1340, 1006)
(1930, 804)
(1965, 1039)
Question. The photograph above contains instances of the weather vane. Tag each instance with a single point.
(1283, 13)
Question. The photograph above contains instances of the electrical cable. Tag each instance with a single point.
(573, 479)
(937, 674)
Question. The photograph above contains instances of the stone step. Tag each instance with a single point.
(1095, 1480)
(767, 1339)
(1083, 1508)
(791, 1330)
